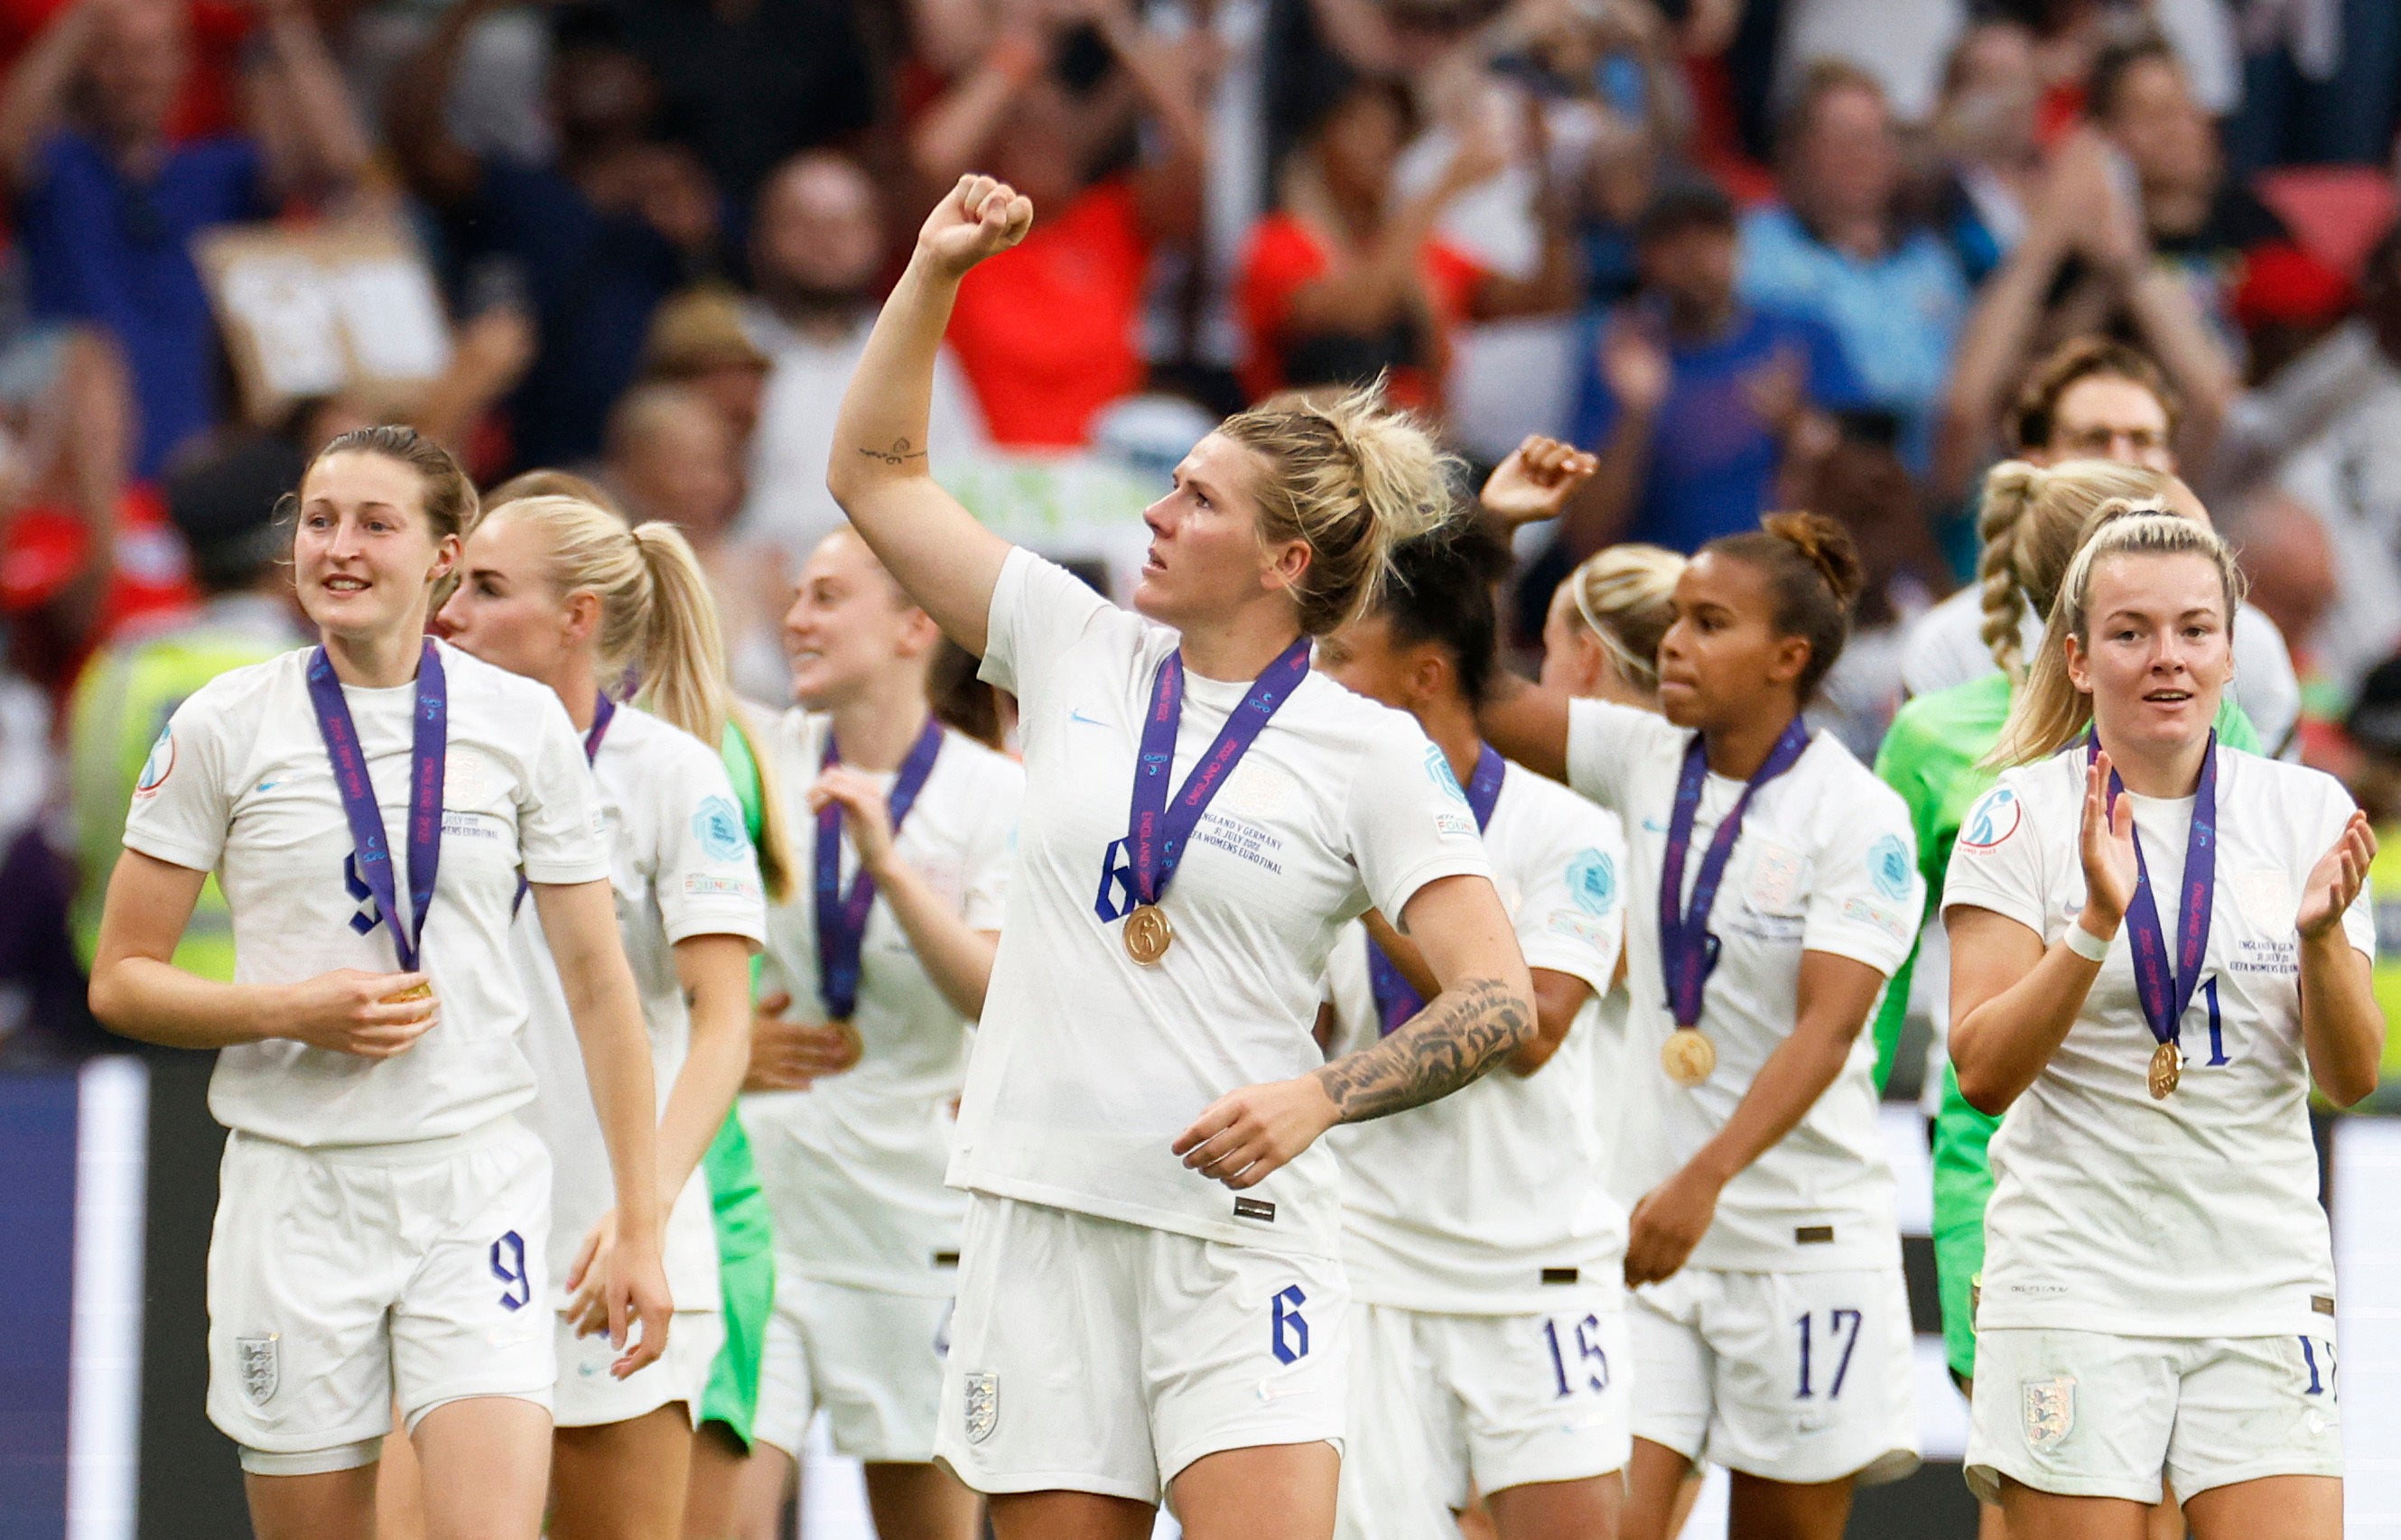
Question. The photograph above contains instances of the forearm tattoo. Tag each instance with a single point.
(1466, 1030)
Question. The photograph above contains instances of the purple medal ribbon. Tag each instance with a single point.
(427, 751)
(1687, 950)
(1155, 841)
(2167, 989)
(841, 917)
(1395, 1000)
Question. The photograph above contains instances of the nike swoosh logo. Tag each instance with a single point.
(1655, 826)
(269, 786)
(1076, 714)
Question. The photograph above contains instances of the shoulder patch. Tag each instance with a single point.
(158, 767)
(1993, 819)
(716, 824)
(1592, 879)
(1437, 766)
(1888, 867)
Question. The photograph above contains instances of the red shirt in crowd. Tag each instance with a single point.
(1047, 333)
(1285, 256)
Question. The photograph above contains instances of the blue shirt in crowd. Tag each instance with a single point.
(592, 278)
(1896, 316)
(113, 251)
(1713, 459)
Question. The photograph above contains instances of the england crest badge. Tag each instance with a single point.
(261, 1366)
(2049, 1412)
(982, 1406)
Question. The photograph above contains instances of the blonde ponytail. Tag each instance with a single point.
(680, 652)
(757, 733)
(656, 616)
(2032, 521)
(2048, 711)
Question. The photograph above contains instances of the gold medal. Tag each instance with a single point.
(1147, 935)
(1688, 1057)
(414, 992)
(2167, 1068)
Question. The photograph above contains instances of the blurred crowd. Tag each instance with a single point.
(1837, 253)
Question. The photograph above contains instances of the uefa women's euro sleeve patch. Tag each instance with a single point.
(717, 824)
(1995, 817)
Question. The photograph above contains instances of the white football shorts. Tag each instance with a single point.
(341, 1280)
(1799, 1377)
(1090, 1355)
(588, 1396)
(2093, 1414)
(871, 1359)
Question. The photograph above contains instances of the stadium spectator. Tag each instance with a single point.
(108, 204)
(1348, 280)
(595, 239)
(2086, 262)
(2328, 430)
(1046, 331)
(817, 249)
(672, 456)
(1985, 129)
(2140, 98)
(1834, 248)
(697, 339)
(748, 85)
(1693, 399)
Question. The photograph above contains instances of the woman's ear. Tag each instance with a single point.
(446, 559)
(1792, 656)
(579, 615)
(1286, 565)
(2079, 667)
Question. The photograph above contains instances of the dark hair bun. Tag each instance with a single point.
(1827, 546)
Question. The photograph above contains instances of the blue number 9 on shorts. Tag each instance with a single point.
(508, 1265)
(1291, 1340)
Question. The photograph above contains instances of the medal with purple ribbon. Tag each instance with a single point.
(1158, 827)
(1395, 1000)
(1688, 952)
(841, 917)
(2165, 986)
(371, 851)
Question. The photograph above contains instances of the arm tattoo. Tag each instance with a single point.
(899, 453)
(1467, 1030)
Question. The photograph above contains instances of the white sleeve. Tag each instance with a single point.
(708, 874)
(1997, 864)
(1868, 895)
(1571, 911)
(559, 837)
(1606, 744)
(182, 808)
(1039, 609)
(992, 848)
(1407, 822)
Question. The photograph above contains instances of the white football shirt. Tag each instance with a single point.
(1825, 863)
(680, 865)
(1089, 1064)
(853, 1165)
(1481, 1202)
(2197, 1215)
(240, 784)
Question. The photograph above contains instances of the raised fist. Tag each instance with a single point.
(979, 218)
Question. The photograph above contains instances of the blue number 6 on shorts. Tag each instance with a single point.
(508, 1265)
(1291, 1342)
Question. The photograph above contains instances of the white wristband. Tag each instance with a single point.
(2084, 944)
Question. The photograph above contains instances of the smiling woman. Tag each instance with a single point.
(388, 1099)
(2154, 1239)
(1203, 814)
